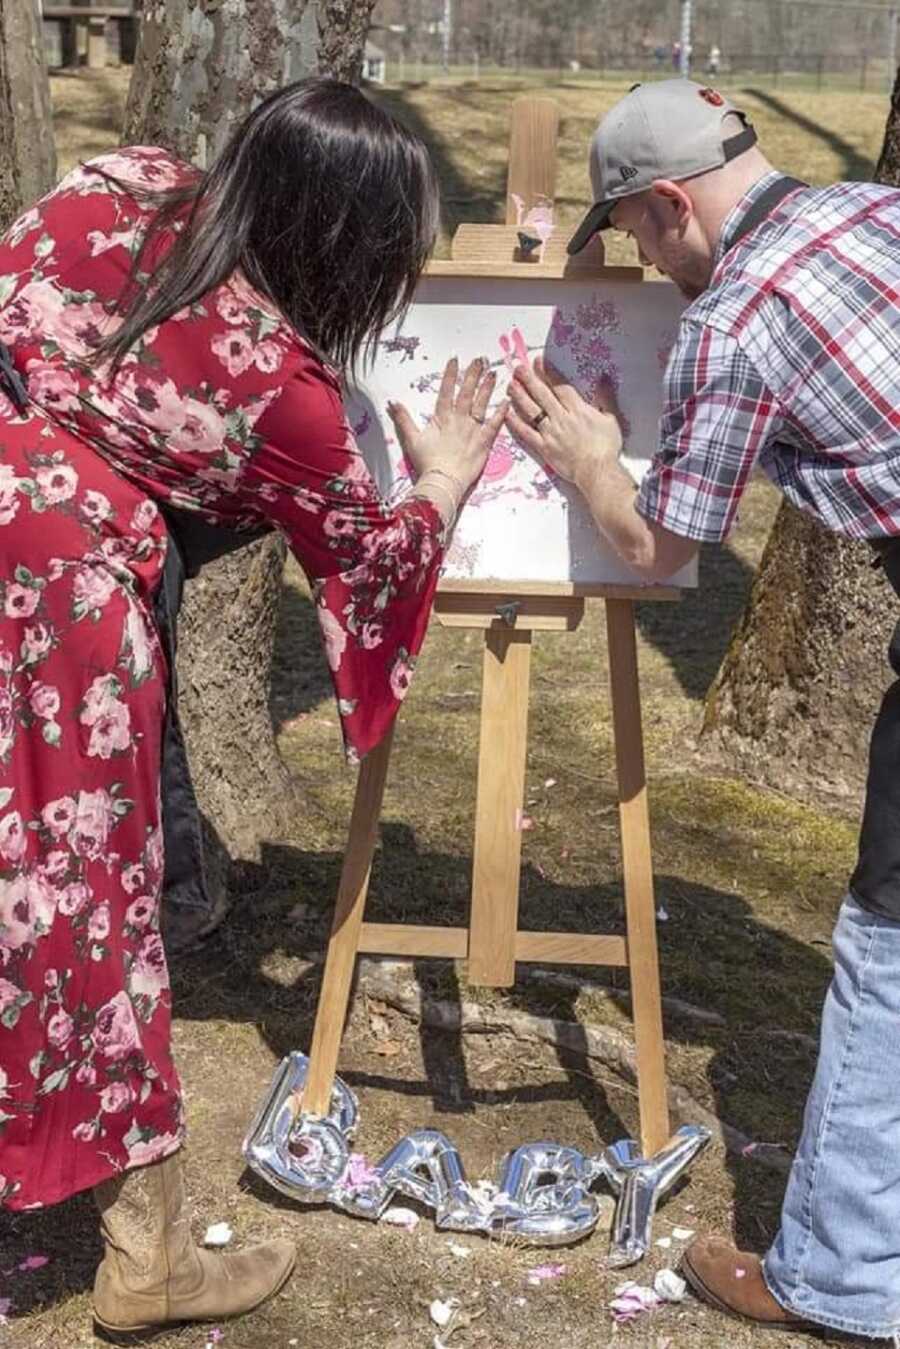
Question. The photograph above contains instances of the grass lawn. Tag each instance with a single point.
(749, 880)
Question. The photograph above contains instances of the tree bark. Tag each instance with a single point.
(27, 150)
(201, 66)
(794, 701)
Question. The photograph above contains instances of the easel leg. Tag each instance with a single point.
(345, 930)
(637, 869)
(501, 795)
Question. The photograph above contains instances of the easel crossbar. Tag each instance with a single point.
(452, 943)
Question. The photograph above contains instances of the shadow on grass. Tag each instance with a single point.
(461, 199)
(683, 633)
(856, 167)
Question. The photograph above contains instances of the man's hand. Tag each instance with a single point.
(549, 417)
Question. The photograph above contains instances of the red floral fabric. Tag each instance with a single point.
(224, 411)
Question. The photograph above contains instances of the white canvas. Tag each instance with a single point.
(520, 524)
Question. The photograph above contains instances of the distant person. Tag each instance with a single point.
(787, 359)
(714, 61)
(659, 55)
(676, 55)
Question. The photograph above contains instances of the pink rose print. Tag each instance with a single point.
(98, 924)
(144, 1152)
(87, 1131)
(9, 500)
(139, 913)
(7, 721)
(202, 430)
(57, 482)
(21, 601)
(115, 1032)
(132, 878)
(339, 525)
(37, 641)
(13, 838)
(111, 732)
(235, 351)
(230, 307)
(33, 313)
(148, 973)
(8, 994)
(56, 863)
(267, 357)
(91, 588)
(53, 386)
(401, 675)
(59, 1029)
(335, 637)
(371, 635)
(44, 700)
(93, 820)
(86, 1074)
(74, 899)
(144, 516)
(58, 816)
(96, 507)
(115, 1097)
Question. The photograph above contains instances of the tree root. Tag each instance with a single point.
(394, 983)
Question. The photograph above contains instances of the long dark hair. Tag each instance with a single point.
(327, 204)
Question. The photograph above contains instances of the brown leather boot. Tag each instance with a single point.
(732, 1281)
(152, 1274)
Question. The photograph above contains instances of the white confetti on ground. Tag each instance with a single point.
(218, 1234)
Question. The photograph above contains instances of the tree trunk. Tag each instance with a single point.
(800, 684)
(200, 68)
(27, 152)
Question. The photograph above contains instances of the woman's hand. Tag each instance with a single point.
(550, 418)
(456, 442)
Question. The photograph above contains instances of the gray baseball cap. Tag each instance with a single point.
(666, 129)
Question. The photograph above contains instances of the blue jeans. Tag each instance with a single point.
(836, 1259)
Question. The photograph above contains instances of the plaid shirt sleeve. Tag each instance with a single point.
(717, 417)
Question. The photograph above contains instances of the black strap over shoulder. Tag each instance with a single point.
(765, 203)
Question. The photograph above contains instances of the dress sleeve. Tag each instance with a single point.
(373, 568)
(719, 415)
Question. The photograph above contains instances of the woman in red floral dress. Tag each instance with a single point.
(173, 343)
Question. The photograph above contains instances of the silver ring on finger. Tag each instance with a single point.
(536, 421)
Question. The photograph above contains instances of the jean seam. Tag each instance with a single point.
(827, 1111)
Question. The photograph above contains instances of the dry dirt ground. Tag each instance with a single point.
(749, 882)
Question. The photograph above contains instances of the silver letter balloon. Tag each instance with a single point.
(543, 1195)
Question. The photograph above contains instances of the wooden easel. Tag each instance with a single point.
(508, 615)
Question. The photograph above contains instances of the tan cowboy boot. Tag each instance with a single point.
(152, 1274)
(732, 1281)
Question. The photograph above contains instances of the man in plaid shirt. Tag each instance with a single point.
(787, 359)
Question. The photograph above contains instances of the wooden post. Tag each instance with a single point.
(500, 798)
(532, 153)
(637, 869)
(96, 42)
(345, 930)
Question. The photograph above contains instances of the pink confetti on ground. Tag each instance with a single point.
(34, 1262)
(542, 1273)
(523, 821)
(631, 1301)
(753, 1149)
(361, 1171)
(5, 1308)
(740, 1274)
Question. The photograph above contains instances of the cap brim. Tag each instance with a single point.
(596, 219)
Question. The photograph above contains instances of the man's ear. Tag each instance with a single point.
(671, 203)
